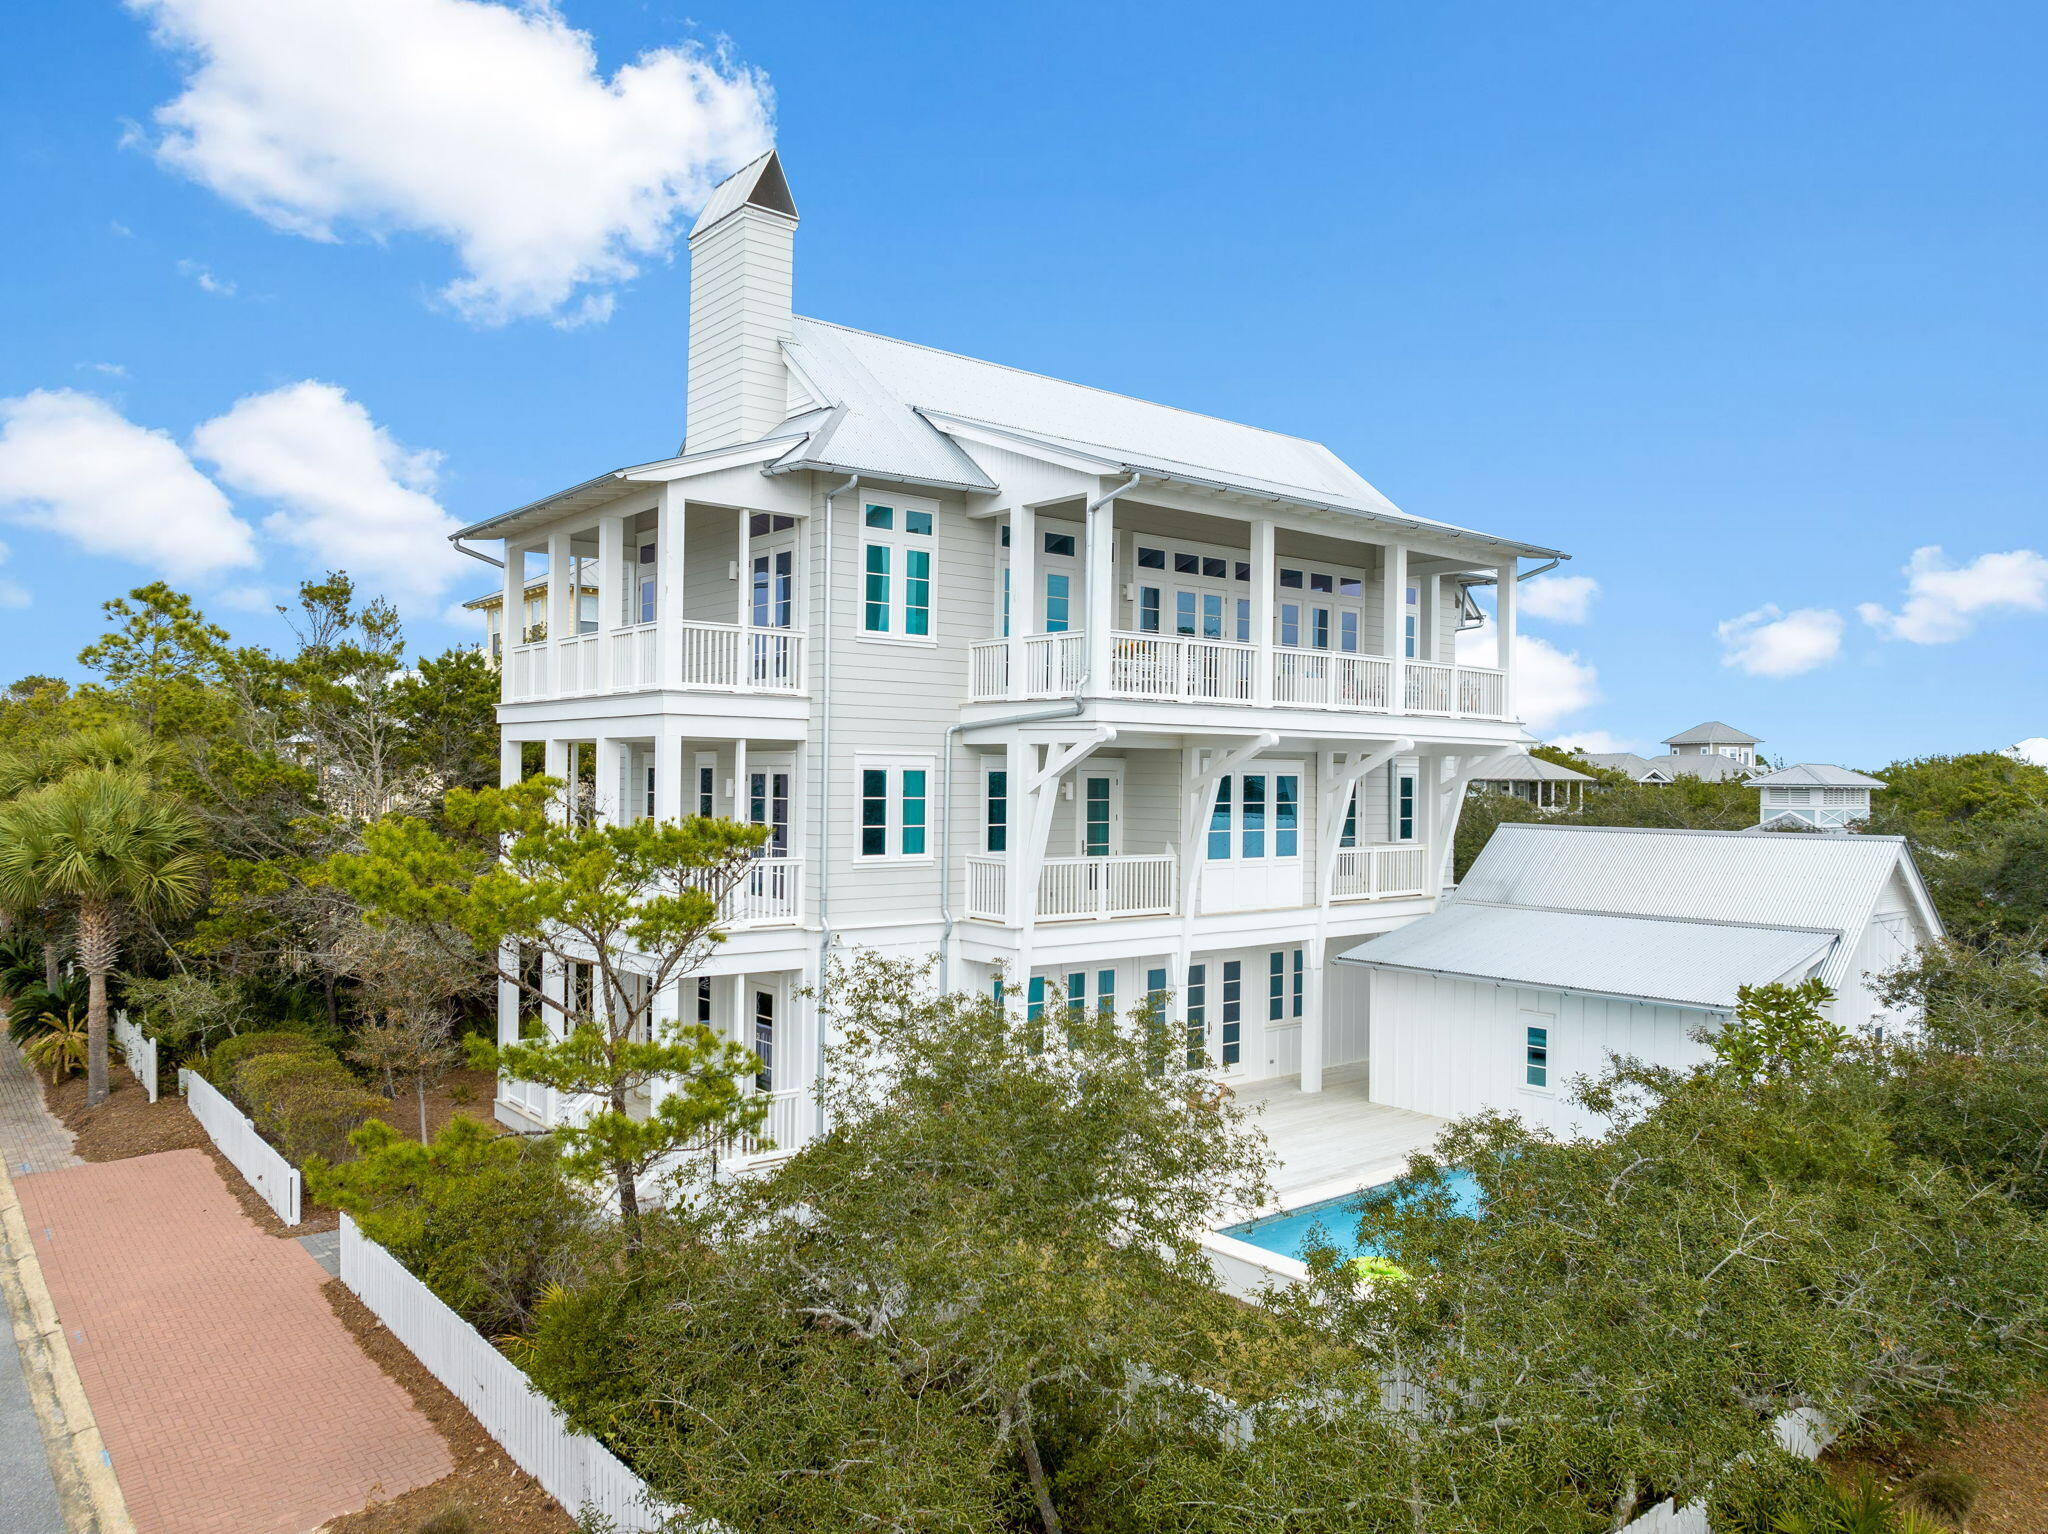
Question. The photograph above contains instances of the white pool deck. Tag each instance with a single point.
(1335, 1141)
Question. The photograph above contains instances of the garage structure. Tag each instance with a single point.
(1567, 945)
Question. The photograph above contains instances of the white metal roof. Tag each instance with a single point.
(1815, 775)
(1712, 733)
(1520, 767)
(760, 181)
(1678, 963)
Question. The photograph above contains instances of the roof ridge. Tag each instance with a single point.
(1846, 839)
(1834, 933)
(1139, 399)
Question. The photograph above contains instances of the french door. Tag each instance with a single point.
(1253, 849)
(1099, 810)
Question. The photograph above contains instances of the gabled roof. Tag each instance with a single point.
(1712, 733)
(1710, 765)
(1677, 963)
(1815, 775)
(1520, 767)
(759, 183)
(1637, 767)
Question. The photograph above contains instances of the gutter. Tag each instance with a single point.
(462, 548)
(824, 853)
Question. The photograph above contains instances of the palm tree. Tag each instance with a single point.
(104, 842)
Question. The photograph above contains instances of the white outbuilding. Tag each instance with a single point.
(1813, 796)
(1566, 945)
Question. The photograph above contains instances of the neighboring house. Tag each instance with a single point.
(1533, 779)
(1115, 699)
(1567, 944)
(533, 614)
(1814, 794)
(1713, 750)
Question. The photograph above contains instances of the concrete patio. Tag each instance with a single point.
(1334, 1141)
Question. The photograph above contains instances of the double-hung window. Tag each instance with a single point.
(1196, 1015)
(896, 556)
(1256, 815)
(1411, 623)
(895, 807)
(996, 820)
(1284, 980)
(1401, 802)
(1536, 1056)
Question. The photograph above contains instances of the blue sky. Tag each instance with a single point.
(1741, 303)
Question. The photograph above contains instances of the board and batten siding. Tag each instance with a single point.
(1450, 1047)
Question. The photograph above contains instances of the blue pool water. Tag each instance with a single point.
(1288, 1234)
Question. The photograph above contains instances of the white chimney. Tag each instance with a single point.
(742, 255)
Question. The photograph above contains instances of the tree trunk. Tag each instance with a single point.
(629, 1208)
(1041, 1491)
(97, 952)
(53, 970)
(333, 1011)
(419, 1085)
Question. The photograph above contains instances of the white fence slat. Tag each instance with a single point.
(574, 1469)
(273, 1177)
(139, 1051)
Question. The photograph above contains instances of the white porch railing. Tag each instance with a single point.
(1176, 668)
(770, 892)
(1375, 873)
(1079, 888)
(786, 1128)
(720, 657)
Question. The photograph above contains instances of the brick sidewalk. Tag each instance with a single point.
(230, 1395)
(31, 1138)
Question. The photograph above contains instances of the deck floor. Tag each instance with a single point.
(1334, 1141)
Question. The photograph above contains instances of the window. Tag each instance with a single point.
(1403, 806)
(1197, 1016)
(1536, 1056)
(644, 584)
(1233, 1012)
(1284, 980)
(1411, 623)
(647, 812)
(764, 1040)
(704, 1000)
(772, 581)
(762, 523)
(1034, 999)
(1097, 809)
(896, 567)
(1151, 559)
(1256, 815)
(768, 805)
(893, 809)
(996, 819)
(1058, 589)
(1148, 609)
(1059, 543)
(707, 784)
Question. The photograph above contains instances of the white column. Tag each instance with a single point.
(561, 593)
(1263, 577)
(1101, 594)
(512, 617)
(1504, 626)
(739, 780)
(735, 1029)
(511, 762)
(1394, 599)
(1314, 1025)
(614, 803)
(510, 1002)
(669, 774)
(1023, 591)
(1018, 899)
(744, 544)
(669, 602)
(611, 594)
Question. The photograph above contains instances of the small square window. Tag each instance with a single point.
(1244, 570)
(881, 516)
(1215, 569)
(1350, 586)
(1059, 543)
(917, 522)
(1320, 582)
(1151, 559)
(1187, 564)
(1291, 578)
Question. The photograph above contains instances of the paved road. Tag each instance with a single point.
(31, 1140)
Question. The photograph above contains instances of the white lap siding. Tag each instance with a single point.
(1452, 1047)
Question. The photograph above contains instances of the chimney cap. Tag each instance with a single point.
(757, 184)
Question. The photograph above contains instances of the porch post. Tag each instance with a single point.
(1023, 593)
(613, 800)
(512, 615)
(669, 603)
(611, 604)
(1394, 601)
(1263, 576)
(1101, 594)
(555, 764)
(1504, 626)
(562, 584)
(741, 804)
(746, 568)
(1314, 1024)
(668, 775)
(511, 762)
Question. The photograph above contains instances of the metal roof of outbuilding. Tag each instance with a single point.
(1815, 775)
(1712, 733)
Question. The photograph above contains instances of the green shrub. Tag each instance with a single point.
(227, 1058)
(453, 1519)
(1944, 1494)
(29, 1009)
(305, 1101)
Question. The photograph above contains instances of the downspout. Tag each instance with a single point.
(824, 856)
(461, 548)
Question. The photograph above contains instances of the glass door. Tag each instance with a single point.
(1253, 855)
(1099, 810)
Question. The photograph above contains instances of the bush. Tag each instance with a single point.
(305, 1101)
(30, 1009)
(227, 1058)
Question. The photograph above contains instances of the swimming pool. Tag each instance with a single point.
(1288, 1233)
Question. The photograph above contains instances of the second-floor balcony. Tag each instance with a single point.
(1180, 669)
(714, 657)
(1150, 884)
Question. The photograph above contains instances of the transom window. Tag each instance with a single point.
(1199, 593)
(896, 570)
(895, 806)
(1256, 815)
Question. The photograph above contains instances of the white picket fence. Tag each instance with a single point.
(273, 1177)
(577, 1471)
(139, 1051)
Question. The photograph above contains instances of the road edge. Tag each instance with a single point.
(87, 1491)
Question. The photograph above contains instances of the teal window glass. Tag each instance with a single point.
(1276, 984)
(1252, 816)
(919, 522)
(1148, 609)
(1105, 990)
(998, 839)
(1034, 999)
(1197, 1014)
(917, 591)
(1286, 815)
(1219, 821)
(1077, 988)
(913, 811)
(1290, 623)
(1349, 836)
(1404, 808)
(1057, 604)
(1184, 612)
(1300, 978)
(1319, 627)
(875, 616)
(874, 813)
(1233, 1012)
(1536, 1057)
(881, 516)
(1095, 818)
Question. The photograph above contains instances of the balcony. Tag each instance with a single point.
(1081, 888)
(1177, 669)
(769, 894)
(703, 657)
(1380, 873)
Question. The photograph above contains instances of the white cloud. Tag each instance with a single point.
(111, 369)
(220, 287)
(2033, 749)
(73, 464)
(1549, 683)
(1943, 599)
(1597, 743)
(480, 124)
(12, 593)
(1560, 598)
(1772, 642)
(348, 493)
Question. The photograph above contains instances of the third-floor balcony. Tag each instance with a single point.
(1150, 884)
(713, 657)
(1181, 669)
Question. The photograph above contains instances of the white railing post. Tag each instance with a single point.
(1023, 593)
(669, 558)
(1101, 562)
(1394, 598)
(1504, 627)
(1263, 580)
